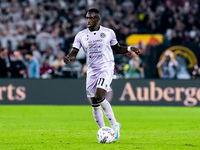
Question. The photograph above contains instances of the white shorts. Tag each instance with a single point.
(101, 80)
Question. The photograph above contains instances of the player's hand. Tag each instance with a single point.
(66, 59)
(136, 50)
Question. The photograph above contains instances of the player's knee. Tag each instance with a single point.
(100, 95)
(94, 102)
(99, 98)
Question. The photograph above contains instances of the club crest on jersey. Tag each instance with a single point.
(102, 35)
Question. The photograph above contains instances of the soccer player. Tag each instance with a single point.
(98, 42)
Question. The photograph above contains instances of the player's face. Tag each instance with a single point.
(92, 20)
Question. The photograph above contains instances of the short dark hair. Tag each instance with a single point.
(1, 49)
(94, 10)
(29, 53)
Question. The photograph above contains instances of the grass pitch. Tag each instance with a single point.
(73, 127)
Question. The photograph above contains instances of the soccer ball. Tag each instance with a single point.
(105, 135)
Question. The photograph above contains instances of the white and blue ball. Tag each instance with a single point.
(105, 135)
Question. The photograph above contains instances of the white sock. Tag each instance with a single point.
(98, 116)
(108, 112)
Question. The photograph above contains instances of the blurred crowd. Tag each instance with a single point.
(35, 35)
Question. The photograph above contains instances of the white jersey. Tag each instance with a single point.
(97, 47)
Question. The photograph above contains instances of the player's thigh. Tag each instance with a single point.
(99, 83)
(104, 80)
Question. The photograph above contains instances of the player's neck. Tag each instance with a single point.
(96, 28)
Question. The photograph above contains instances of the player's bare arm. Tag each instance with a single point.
(71, 56)
(123, 50)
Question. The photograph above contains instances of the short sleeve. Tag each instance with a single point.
(77, 41)
(113, 40)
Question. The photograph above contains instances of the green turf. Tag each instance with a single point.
(73, 127)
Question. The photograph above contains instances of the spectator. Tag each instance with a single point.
(168, 65)
(14, 41)
(48, 54)
(33, 68)
(134, 69)
(4, 39)
(48, 23)
(58, 63)
(3, 63)
(72, 69)
(17, 66)
(43, 39)
(182, 69)
(46, 70)
(22, 47)
(59, 51)
(36, 53)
